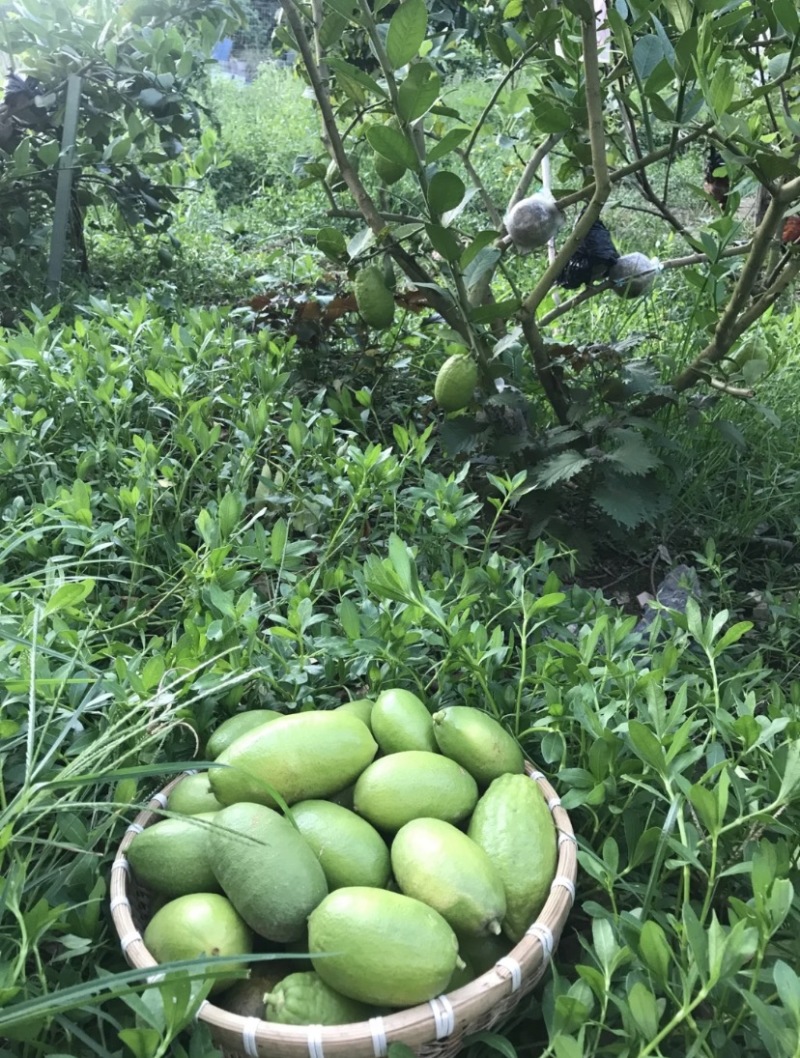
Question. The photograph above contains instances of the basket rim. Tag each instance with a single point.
(424, 1023)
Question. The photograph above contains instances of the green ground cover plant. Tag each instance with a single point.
(207, 507)
(183, 537)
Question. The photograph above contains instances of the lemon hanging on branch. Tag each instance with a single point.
(375, 301)
(455, 383)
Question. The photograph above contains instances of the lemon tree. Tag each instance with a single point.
(605, 99)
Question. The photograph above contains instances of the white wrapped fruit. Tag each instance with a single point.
(533, 221)
(633, 274)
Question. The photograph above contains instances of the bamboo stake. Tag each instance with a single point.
(66, 171)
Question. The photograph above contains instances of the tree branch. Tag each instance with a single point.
(643, 180)
(602, 184)
(494, 97)
(550, 380)
(628, 170)
(531, 169)
(486, 198)
(369, 211)
(389, 218)
(736, 319)
(599, 288)
(380, 53)
(732, 391)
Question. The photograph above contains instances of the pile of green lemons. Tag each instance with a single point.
(415, 852)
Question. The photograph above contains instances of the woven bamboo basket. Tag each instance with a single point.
(436, 1029)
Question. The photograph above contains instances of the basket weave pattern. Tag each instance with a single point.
(433, 1030)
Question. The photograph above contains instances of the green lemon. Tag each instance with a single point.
(513, 825)
(478, 742)
(401, 721)
(414, 784)
(455, 383)
(381, 947)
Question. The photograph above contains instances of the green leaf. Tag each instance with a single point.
(392, 144)
(779, 1038)
(143, 1042)
(655, 951)
(788, 985)
(219, 600)
(447, 143)
(633, 456)
(476, 265)
(444, 241)
(494, 1042)
(333, 25)
(354, 82)
(349, 9)
(604, 943)
(277, 541)
(550, 118)
(332, 243)
(404, 566)
(567, 1047)
(561, 468)
(681, 13)
(721, 89)
(548, 601)
(696, 939)
(69, 595)
(49, 153)
(495, 310)
(230, 511)
(646, 746)
(629, 503)
(499, 44)
(790, 780)
(570, 1013)
(150, 97)
(445, 192)
(348, 617)
(360, 242)
(733, 635)
(595, 980)
(661, 109)
(705, 804)
(407, 30)
(786, 13)
(648, 51)
(418, 92)
(646, 846)
(643, 1009)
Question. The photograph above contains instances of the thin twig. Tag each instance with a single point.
(599, 288)
(643, 181)
(734, 322)
(732, 391)
(531, 169)
(389, 218)
(494, 97)
(486, 198)
(602, 184)
(702, 258)
(578, 299)
(633, 167)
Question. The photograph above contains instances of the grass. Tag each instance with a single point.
(201, 516)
